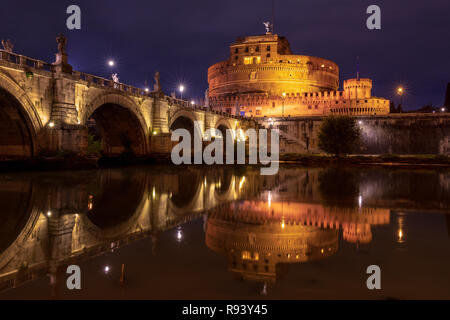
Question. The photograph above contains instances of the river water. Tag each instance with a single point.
(165, 232)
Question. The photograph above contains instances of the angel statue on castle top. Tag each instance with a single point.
(268, 26)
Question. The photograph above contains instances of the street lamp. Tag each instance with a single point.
(284, 96)
(111, 63)
(400, 92)
(181, 89)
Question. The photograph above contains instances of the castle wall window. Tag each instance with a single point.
(257, 49)
(246, 49)
(250, 60)
(268, 48)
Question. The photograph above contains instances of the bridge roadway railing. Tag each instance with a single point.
(186, 104)
(24, 61)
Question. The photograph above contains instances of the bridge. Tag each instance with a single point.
(48, 107)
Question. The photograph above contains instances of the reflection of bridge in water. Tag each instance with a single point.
(260, 223)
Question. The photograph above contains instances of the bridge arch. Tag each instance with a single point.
(111, 217)
(192, 203)
(22, 218)
(224, 124)
(182, 113)
(119, 122)
(19, 120)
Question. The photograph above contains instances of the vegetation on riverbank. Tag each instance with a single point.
(384, 159)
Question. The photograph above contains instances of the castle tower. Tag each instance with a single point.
(357, 88)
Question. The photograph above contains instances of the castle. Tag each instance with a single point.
(262, 78)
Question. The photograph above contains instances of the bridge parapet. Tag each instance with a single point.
(101, 82)
(21, 60)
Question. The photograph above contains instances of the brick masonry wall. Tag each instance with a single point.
(395, 133)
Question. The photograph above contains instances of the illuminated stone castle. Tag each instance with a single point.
(263, 78)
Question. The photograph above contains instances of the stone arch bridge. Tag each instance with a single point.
(50, 107)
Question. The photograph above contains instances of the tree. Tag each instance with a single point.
(392, 108)
(94, 146)
(339, 135)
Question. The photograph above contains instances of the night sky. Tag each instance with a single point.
(181, 39)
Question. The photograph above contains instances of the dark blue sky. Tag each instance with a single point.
(182, 38)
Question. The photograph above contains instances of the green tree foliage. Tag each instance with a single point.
(94, 147)
(339, 135)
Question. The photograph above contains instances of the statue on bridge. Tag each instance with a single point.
(61, 56)
(8, 45)
(157, 86)
(62, 43)
(207, 98)
(115, 79)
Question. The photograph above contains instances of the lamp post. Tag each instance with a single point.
(111, 64)
(400, 92)
(284, 96)
(181, 89)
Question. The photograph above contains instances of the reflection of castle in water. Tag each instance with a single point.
(51, 220)
(258, 237)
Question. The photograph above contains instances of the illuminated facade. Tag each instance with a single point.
(263, 78)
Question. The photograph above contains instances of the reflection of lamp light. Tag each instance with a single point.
(90, 202)
(401, 230)
(400, 235)
(241, 183)
(282, 224)
(179, 234)
(360, 201)
(269, 198)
